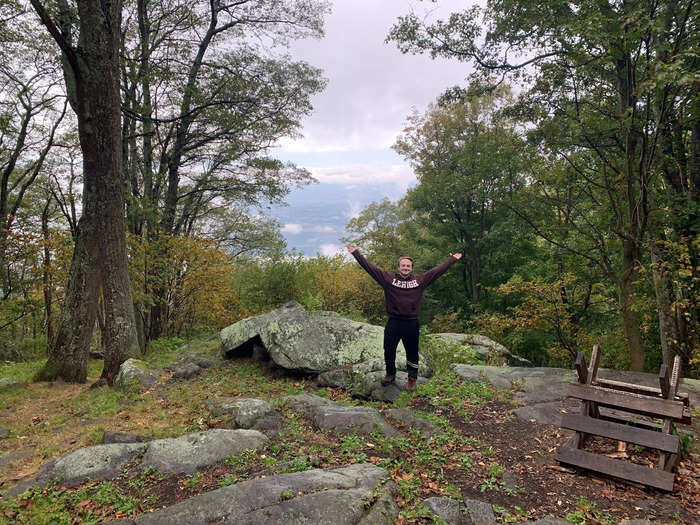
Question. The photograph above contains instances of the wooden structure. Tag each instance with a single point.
(626, 401)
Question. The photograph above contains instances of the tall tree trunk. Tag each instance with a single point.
(99, 258)
(630, 323)
(46, 278)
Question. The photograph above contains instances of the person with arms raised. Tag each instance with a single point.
(403, 292)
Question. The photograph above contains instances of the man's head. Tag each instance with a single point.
(405, 266)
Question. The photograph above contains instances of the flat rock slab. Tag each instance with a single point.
(334, 497)
(97, 462)
(411, 420)
(298, 341)
(448, 509)
(329, 415)
(351, 420)
(188, 453)
(541, 390)
(245, 412)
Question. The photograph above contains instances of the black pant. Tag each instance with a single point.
(406, 331)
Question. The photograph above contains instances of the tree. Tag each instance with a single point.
(611, 90)
(91, 72)
(31, 111)
(467, 159)
(203, 105)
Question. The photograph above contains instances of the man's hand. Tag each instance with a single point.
(351, 248)
(456, 255)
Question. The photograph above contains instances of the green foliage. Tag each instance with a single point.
(443, 354)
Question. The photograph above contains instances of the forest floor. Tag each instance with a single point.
(486, 453)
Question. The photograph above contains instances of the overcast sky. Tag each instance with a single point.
(372, 89)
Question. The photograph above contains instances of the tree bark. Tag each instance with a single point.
(99, 259)
(630, 323)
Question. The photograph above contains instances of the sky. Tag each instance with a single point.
(346, 145)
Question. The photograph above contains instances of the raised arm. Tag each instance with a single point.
(431, 275)
(379, 275)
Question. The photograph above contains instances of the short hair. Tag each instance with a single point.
(406, 257)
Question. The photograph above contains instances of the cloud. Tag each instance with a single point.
(372, 86)
(364, 174)
(331, 249)
(292, 228)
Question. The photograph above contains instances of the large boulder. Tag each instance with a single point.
(337, 496)
(296, 340)
(487, 349)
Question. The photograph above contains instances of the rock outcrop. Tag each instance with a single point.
(336, 496)
(296, 340)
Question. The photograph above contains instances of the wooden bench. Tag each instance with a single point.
(627, 400)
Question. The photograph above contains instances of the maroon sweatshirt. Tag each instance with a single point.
(403, 294)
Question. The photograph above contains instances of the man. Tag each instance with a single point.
(403, 292)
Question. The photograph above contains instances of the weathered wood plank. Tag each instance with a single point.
(629, 401)
(637, 389)
(620, 432)
(659, 479)
(581, 368)
(593, 368)
(663, 381)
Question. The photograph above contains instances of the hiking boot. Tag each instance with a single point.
(387, 380)
(411, 384)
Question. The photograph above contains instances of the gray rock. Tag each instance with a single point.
(186, 371)
(245, 412)
(551, 521)
(6, 382)
(486, 348)
(412, 421)
(329, 415)
(384, 510)
(636, 522)
(188, 453)
(305, 403)
(122, 437)
(134, 374)
(535, 384)
(448, 509)
(351, 420)
(364, 381)
(4, 433)
(269, 424)
(479, 513)
(296, 340)
(333, 497)
(96, 462)
(207, 362)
